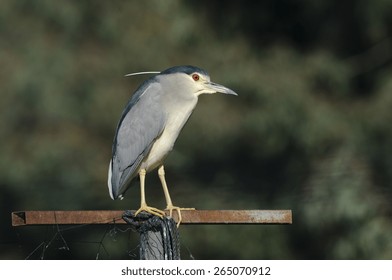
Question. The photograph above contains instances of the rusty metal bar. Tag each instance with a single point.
(22, 218)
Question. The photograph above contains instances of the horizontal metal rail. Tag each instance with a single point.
(23, 218)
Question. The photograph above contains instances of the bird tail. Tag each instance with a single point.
(112, 195)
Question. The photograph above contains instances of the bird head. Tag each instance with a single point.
(192, 80)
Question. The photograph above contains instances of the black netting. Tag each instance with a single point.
(159, 237)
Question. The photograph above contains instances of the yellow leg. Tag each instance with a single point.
(143, 204)
(170, 207)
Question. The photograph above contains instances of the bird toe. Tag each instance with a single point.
(151, 210)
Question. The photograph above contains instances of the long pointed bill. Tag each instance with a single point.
(219, 88)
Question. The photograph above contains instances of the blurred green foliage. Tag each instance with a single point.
(310, 130)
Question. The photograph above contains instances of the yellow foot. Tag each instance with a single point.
(170, 208)
(151, 210)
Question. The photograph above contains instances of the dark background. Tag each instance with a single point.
(310, 130)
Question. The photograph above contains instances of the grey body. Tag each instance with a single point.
(152, 121)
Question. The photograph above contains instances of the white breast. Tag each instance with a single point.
(164, 144)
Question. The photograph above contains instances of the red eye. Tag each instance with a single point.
(195, 77)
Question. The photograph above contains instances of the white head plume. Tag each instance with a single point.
(142, 73)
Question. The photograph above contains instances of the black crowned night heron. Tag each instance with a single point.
(149, 126)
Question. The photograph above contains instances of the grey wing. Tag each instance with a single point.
(142, 122)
